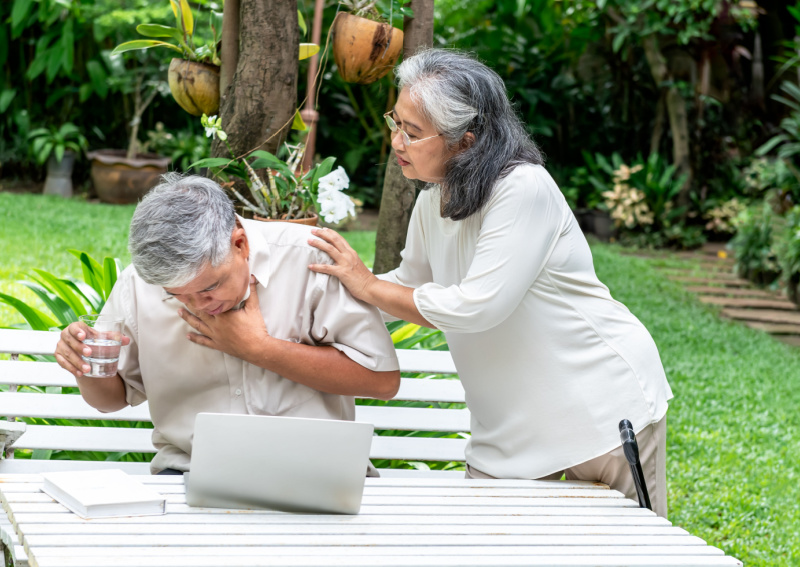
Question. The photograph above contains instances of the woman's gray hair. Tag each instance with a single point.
(459, 94)
(182, 225)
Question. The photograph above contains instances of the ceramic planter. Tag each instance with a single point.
(364, 50)
(195, 86)
(59, 175)
(120, 180)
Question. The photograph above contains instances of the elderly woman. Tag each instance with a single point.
(550, 362)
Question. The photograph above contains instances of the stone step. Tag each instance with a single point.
(696, 272)
(732, 291)
(774, 328)
(764, 315)
(749, 303)
(793, 340)
(710, 281)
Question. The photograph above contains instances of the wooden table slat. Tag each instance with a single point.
(490, 560)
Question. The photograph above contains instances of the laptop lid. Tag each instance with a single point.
(288, 463)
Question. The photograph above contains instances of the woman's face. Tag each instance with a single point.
(425, 160)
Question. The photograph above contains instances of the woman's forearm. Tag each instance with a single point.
(394, 299)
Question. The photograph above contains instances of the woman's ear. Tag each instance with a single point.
(467, 141)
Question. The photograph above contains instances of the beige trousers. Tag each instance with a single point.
(613, 469)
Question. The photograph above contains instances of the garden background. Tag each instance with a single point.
(666, 124)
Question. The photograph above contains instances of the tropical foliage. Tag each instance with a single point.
(66, 298)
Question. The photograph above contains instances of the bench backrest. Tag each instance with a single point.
(425, 422)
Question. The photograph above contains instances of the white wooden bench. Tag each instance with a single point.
(34, 391)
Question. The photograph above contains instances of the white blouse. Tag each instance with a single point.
(549, 360)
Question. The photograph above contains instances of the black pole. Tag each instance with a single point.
(631, 449)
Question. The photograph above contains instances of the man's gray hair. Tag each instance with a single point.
(459, 94)
(181, 226)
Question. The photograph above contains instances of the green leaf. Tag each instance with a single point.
(44, 153)
(85, 92)
(35, 318)
(212, 162)
(308, 50)
(55, 304)
(68, 46)
(301, 21)
(109, 275)
(19, 12)
(770, 144)
(98, 77)
(6, 97)
(157, 30)
(297, 122)
(323, 169)
(42, 454)
(53, 63)
(186, 15)
(143, 44)
(619, 40)
(92, 272)
(58, 286)
(404, 332)
(89, 295)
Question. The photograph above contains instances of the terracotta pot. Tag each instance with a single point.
(364, 50)
(194, 86)
(310, 221)
(120, 180)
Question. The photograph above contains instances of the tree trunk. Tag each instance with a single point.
(229, 54)
(259, 104)
(676, 110)
(399, 193)
(658, 124)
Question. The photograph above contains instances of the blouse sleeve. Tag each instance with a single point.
(519, 230)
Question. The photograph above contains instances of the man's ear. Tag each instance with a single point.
(239, 241)
(467, 141)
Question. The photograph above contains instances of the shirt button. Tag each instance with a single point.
(238, 392)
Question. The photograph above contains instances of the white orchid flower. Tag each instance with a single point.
(213, 126)
(336, 206)
(336, 180)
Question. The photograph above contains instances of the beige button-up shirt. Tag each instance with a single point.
(179, 379)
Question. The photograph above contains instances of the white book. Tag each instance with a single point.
(103, 493)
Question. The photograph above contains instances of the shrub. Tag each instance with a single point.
(788, 251)
(754, 245)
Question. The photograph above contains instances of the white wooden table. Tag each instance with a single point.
(403, 522)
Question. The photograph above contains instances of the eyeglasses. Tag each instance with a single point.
(394, 128)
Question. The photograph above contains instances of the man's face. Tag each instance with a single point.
(220, 289)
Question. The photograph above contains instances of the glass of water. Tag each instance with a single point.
(104, 337)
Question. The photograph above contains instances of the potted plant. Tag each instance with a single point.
(124, 176)
(57, 148)
(194, 76)
(365, 46)
(287, 193)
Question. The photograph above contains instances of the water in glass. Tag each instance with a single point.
(104, 357)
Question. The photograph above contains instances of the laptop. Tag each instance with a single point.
(285, 463)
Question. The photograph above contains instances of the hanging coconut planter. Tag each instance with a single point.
(364, 50)
(194, 86)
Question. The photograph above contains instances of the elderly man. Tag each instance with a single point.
(223, 315)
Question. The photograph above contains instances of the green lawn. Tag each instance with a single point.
(733, 454)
